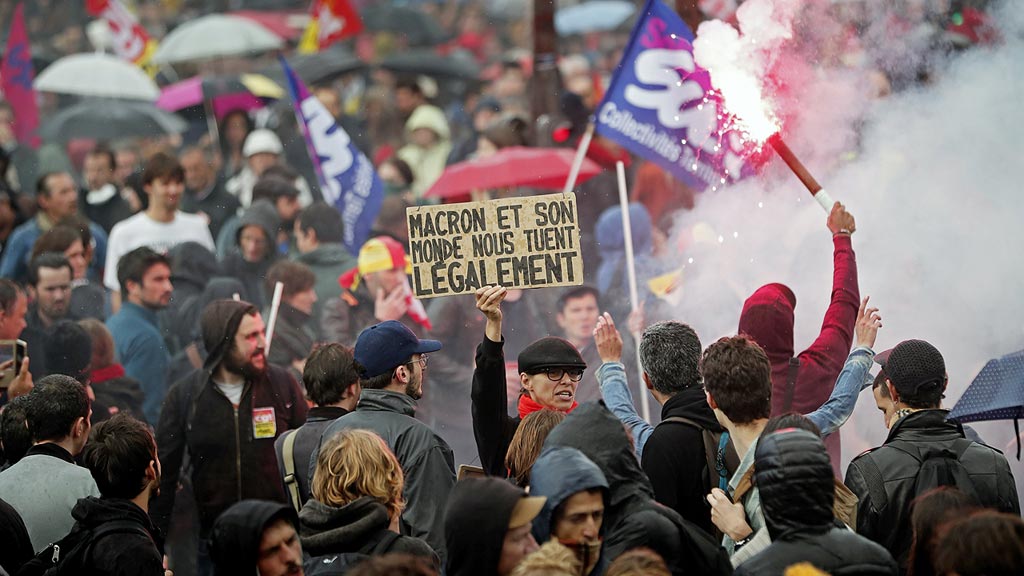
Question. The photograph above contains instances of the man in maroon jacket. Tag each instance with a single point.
(802, 383)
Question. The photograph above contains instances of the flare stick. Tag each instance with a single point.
(820, 195)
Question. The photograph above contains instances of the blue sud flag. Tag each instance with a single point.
(348, 180)
(659, 105)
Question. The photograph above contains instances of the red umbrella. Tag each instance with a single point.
(545, 168)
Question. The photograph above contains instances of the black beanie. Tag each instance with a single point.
(550, 352)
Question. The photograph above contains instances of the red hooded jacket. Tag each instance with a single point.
(768, 318)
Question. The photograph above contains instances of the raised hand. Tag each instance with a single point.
(488, 301)
(868, 323)
(840, 221)
(607, 339)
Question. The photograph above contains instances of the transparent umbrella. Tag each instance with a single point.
(97, 75)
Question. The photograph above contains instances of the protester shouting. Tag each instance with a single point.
(550, 369)
(226, 416)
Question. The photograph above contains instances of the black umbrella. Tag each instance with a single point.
(110, 119)
(417, 27)
(432, 64)
(318, 68)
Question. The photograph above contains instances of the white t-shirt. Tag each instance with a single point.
(141, 230)
(232, 391)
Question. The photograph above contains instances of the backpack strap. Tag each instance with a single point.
(715, 452)
(291, 482)
(787, 396)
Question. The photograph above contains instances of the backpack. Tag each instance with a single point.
(71, 554)
(719, 453)
(940, 468)
(336, 564)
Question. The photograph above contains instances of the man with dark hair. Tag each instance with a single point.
(121, 456)
(204, 190)
(226, 416)
(923, 450)
(295, 332)
(102, 199)
(15, 437)
(57, 197)
(318, 237)
(257, 537)
(394, 362)
(161, 227)
(883, 401)
(46, 484)
(68, 351)
(673, 454)
(331, 377)
(49, 289)
(13, 308)
(145, 280)
(578, 312)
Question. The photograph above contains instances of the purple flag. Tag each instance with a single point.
(17, 77)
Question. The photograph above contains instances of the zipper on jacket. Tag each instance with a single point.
(238, 455)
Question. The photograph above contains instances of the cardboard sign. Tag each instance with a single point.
(527, 242)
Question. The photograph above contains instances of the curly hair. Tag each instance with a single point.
(638, 562)
(355, 463)
(551, 559)
(738, 376)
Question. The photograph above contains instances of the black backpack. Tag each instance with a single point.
(940, 468)
(71, 554)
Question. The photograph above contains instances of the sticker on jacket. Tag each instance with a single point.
(264, 424)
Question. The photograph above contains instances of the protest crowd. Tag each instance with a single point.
(217, 355)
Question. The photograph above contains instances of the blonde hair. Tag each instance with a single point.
(639, 562)
(357, 463)
(551, 559)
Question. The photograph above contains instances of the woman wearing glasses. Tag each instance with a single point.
(550, 369)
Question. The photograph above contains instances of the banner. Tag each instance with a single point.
(527, 242)
(330, 21)
(660, 106)
(130, 40)
(348, 180)
(16, 76)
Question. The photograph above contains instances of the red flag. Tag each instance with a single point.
(17, 77)
(335, 20)
(131, 42)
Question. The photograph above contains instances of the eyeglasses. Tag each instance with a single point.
(556, 374)
(422, 361)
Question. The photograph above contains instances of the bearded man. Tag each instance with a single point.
(226, 416)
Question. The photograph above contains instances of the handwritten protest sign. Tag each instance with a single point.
(528, 242)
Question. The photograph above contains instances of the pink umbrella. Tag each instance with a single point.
(227, 93)
(545, 168)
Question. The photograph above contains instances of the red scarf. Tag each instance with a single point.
(527, 405)
(107, 373)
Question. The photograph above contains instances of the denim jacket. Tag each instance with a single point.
(829, 417)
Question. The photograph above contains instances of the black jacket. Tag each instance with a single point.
(632, 518)
(122, 553)
(359, 527)
(17, 547)
(794, 477)
(307, 439)
(228, 463)
(235, 537)
(674, 458)
(294, 336)
(492, 426)
(883, 513)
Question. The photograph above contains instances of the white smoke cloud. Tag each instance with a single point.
(932, 176)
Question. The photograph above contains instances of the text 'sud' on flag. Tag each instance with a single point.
(16, 75)
(348, 180)
(660, 105)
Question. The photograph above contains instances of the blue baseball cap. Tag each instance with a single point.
(386, 346)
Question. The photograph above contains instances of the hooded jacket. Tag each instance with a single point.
(426, 163)
(768, 317)
(612, 278)
(123, 553)
(674, 459)
(557, 474)
(884, 478)
(794, 475)
(475, 524)
(327, 261)
(361, 526)
(235, 538)
(254, 274)
(425, 457)
(192, 267)
(632, 518)
(229, 463)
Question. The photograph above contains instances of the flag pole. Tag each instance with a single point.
(275, 305)
(634, 299)
(581, 155)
